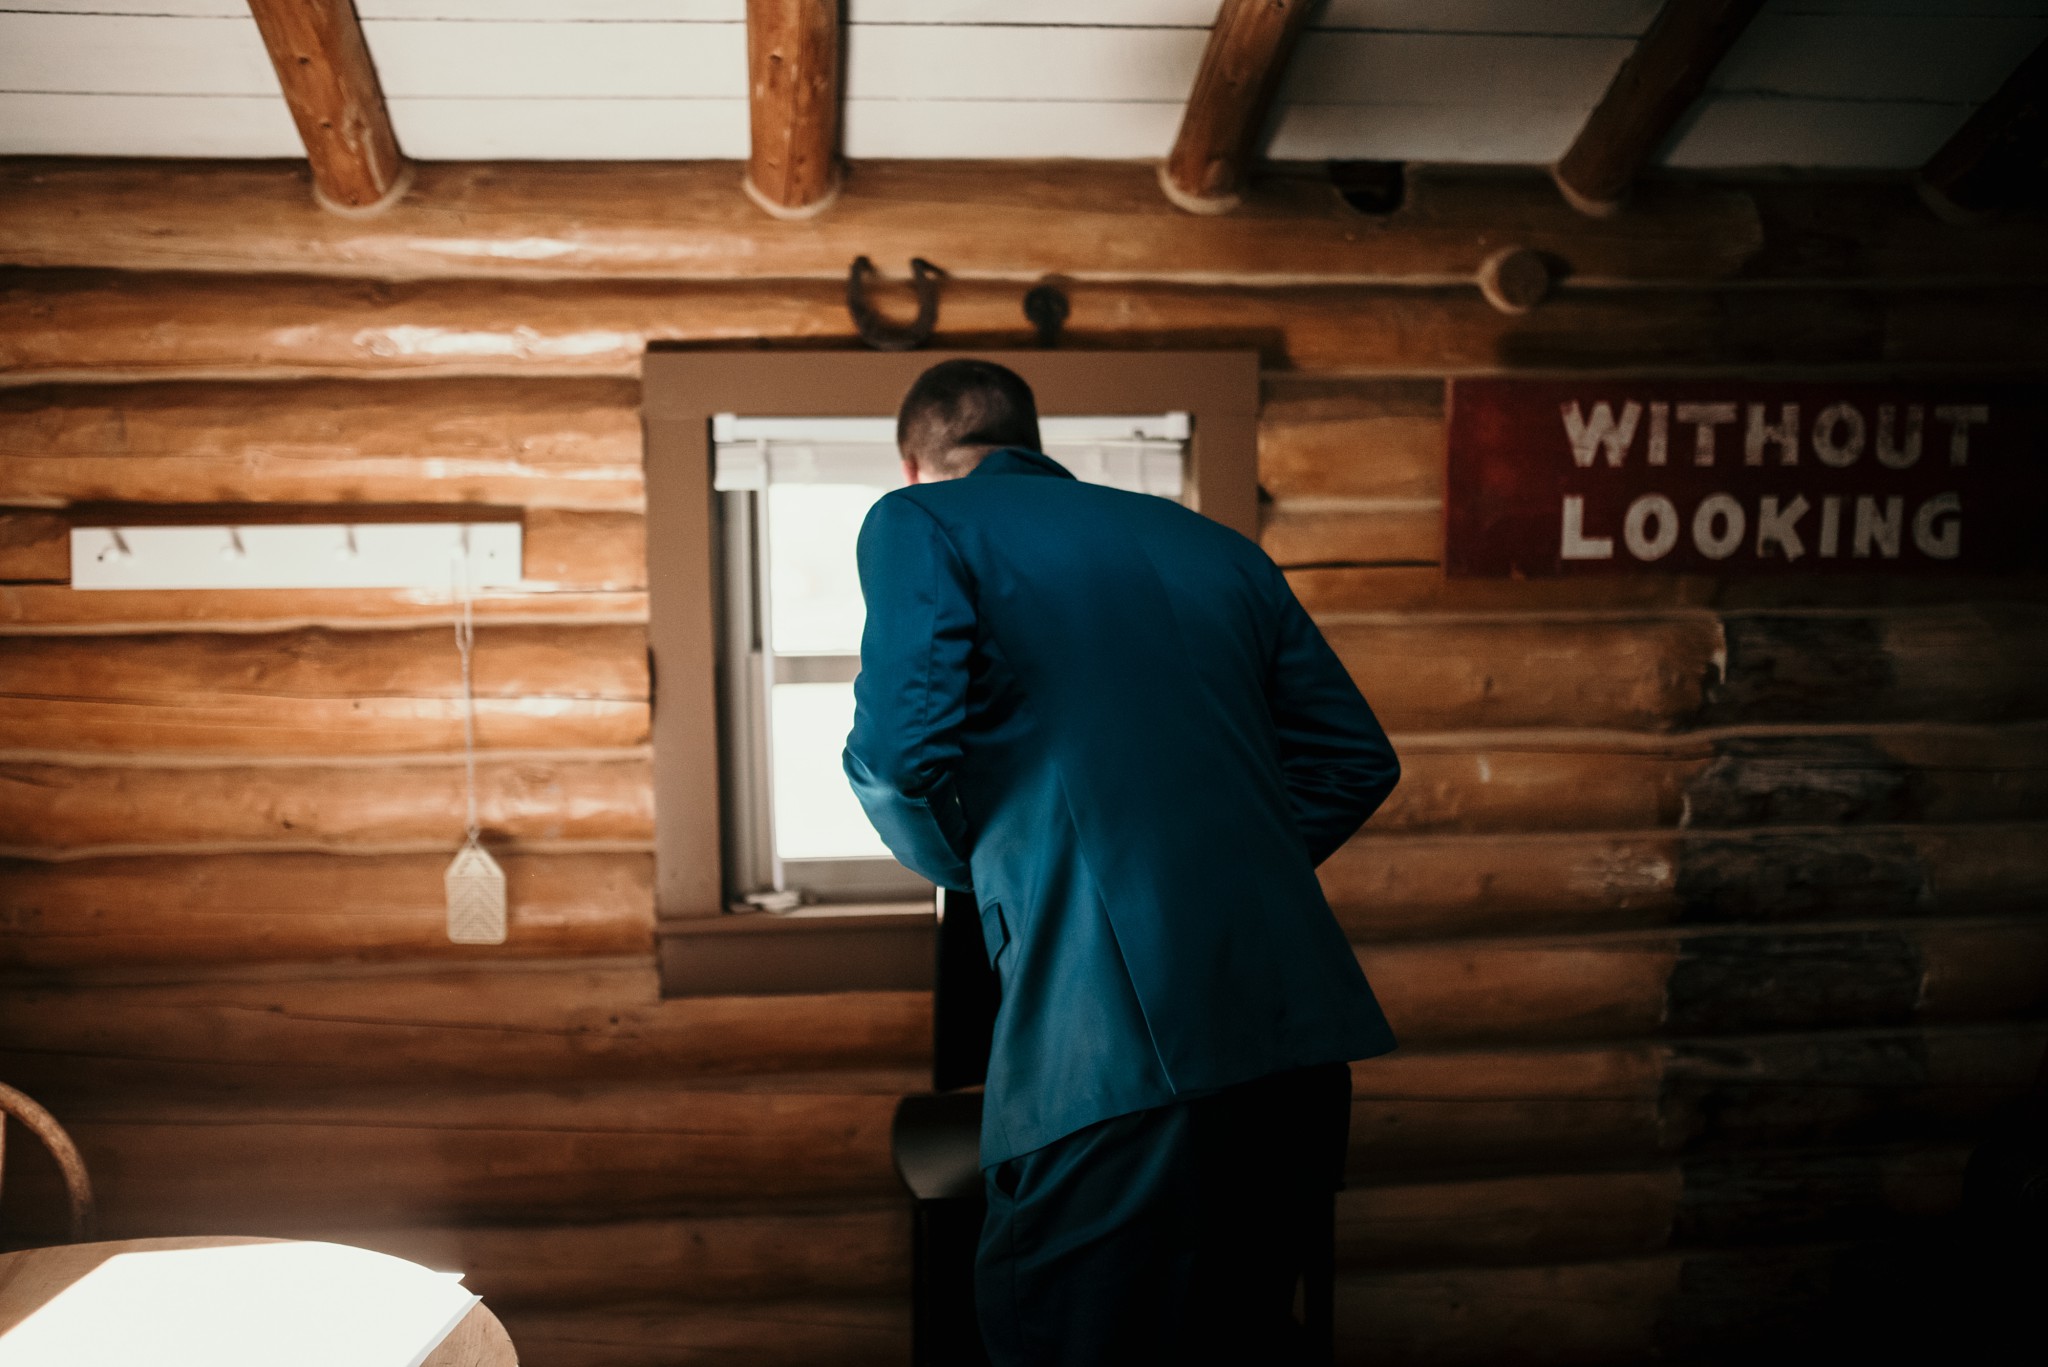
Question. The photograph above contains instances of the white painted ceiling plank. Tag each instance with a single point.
(613, 61)
(563, 11)
(1424, 68)
(1011, 128)
(973, 62)
(1878, 58)
(572, 130)
(1728, 131)
(204, 9)
(124, 54)
(1503, 135)
(147, 126)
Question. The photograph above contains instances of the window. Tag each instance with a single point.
(792, 493)
(754, 623)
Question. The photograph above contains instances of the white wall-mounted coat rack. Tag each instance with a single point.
(324, 555)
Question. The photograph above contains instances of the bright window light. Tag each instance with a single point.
(793, 493)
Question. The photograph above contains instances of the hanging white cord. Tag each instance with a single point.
(475, 883)
(465, 645)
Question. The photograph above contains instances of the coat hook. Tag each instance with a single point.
(348, 550)
(925, 279)
(117, 546)
(234, 550)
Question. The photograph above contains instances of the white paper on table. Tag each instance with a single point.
(244, 1305)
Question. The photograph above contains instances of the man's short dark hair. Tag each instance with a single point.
(959, 411)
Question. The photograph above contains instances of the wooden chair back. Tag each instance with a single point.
(77, 1185)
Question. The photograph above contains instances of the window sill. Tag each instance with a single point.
(866, 947)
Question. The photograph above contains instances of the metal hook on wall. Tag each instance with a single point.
(877, 332)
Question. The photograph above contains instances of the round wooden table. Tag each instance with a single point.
(31, 1278)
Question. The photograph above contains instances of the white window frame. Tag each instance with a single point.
(1147, 454)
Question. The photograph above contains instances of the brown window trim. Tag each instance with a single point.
(704, 949)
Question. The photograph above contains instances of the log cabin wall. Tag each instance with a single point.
(1708, 912)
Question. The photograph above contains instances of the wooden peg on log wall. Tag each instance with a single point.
(1241, 69)
(793, 63)
(331, 85)
(1984, 166)
(1657, 84)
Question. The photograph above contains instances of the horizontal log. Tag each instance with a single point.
(554, 443)
(552, 1022)
(1705, 1200)
(1356, 439)
(1007, 219)
(169, 1165)
(324, 692)
(55, 610)
(1014, 221)
(1530, 781)
(743, 1257)
(168, 908)
(1960, 663)
(1721, 982)
(545, 443)
(1941, 774)
(1452, 784)
(34, 546)
(1336, 591)
(59, 808)
(1402, 886)
(1532, 1219)
(1310, 532)
(1519, 1108)
(859, 1333)
(1450, 675)
(267, 908)
(64, 325)
(313, 691)
(1524, 1109)
(314, 1028)
(1533, 781)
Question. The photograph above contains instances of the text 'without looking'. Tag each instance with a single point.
(1720, 523)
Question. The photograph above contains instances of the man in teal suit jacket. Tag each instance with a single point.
(1110, 719)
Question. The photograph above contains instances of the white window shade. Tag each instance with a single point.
(1142, 454)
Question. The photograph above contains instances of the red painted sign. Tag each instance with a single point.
(1557, 477)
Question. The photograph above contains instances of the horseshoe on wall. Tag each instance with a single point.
(877, 332)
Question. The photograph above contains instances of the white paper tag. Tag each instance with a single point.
(476, 898)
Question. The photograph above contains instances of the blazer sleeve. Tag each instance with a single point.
(911, 696)
(1337, 762)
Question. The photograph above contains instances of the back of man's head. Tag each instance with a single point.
(959, 411)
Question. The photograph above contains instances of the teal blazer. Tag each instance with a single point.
(1108, 717)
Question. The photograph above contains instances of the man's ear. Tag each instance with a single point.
(911, 474)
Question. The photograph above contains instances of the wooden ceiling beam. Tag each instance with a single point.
(1015, 221)
(1248, 50)
(1998, 150)
(793, 100)
(331, 85)
(1659, 82)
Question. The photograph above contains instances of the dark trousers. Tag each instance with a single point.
(1180, 1230)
